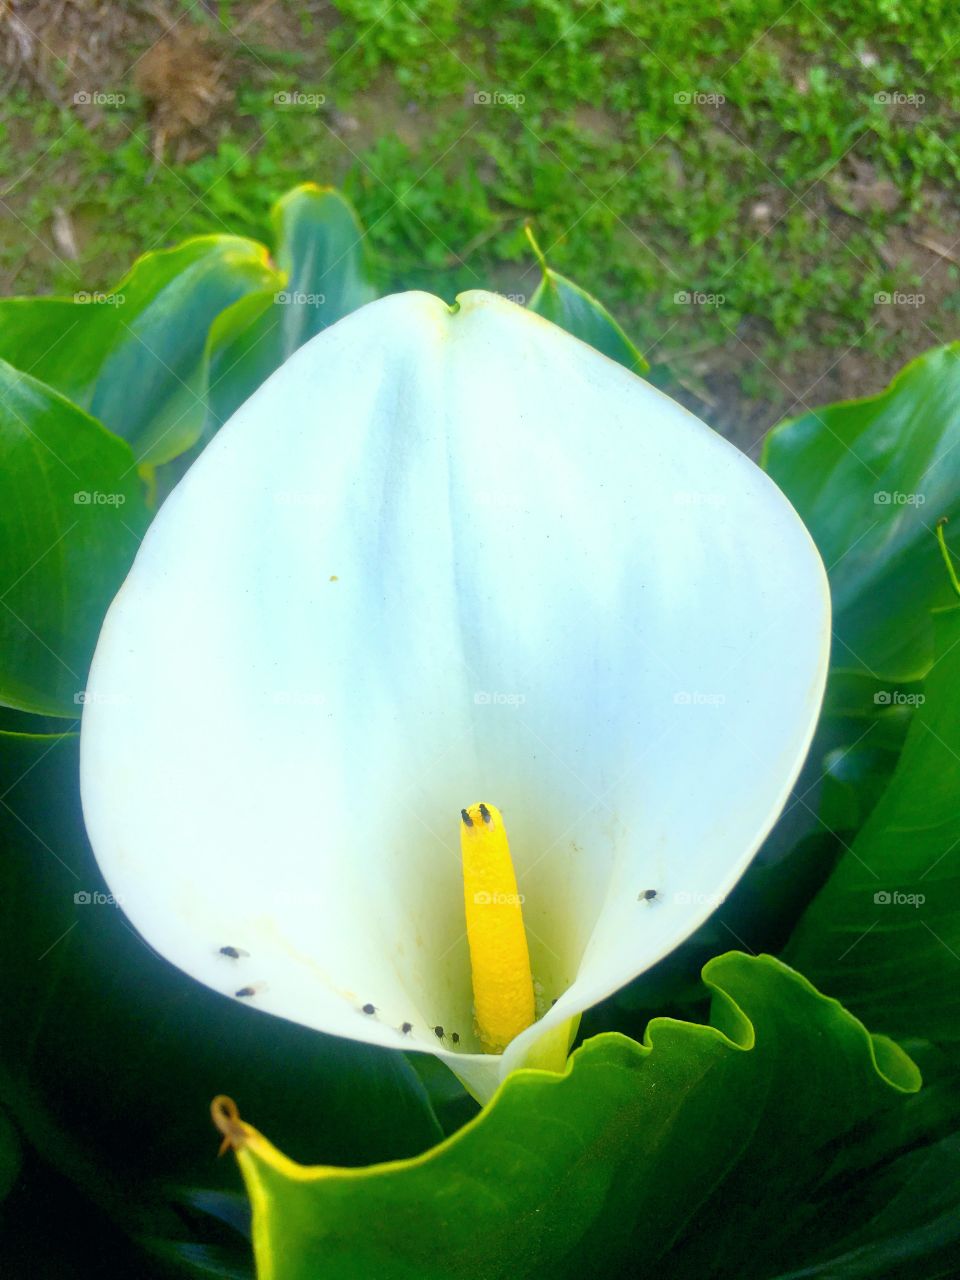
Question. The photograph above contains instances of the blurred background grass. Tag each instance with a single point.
(745, 185)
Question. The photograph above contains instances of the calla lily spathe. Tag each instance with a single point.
(446, 555)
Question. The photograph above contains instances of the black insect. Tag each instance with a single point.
(455, 1037)
(233, 953)
(439, 1032)
(467, 820)
(647, 895)
(485, 814)
(245, 992)
(406, 1028)
(369, 1009)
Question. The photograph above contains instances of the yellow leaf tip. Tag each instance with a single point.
(226, 1118)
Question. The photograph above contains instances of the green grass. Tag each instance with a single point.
(637, 195)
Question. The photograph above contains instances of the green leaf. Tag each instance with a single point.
(854, 779)
(870, 478)
(71, 519)
(904, 1221)
(136, 357)
(319, 249)
(668, 1155)
(572, 308)
(883, 934)
(10, 1158)
(109, 1056)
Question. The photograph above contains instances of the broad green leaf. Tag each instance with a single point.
(883, 935)
(572, 308)
(9, 1155)
(71, 519)
(109, 1056)
(666, 1157)
(319, 246)
(320, 251)
(870, 479)
(854, 779)
(865, 709)
(136, 357)
(901, 1223)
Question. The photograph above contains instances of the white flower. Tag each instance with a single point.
(447, 555)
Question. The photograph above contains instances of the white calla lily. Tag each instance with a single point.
(446, 555)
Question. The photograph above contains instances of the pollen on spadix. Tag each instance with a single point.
(499, 959)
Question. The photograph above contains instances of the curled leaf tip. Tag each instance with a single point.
(945, 552)
(226, 1117)
(535, 246)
